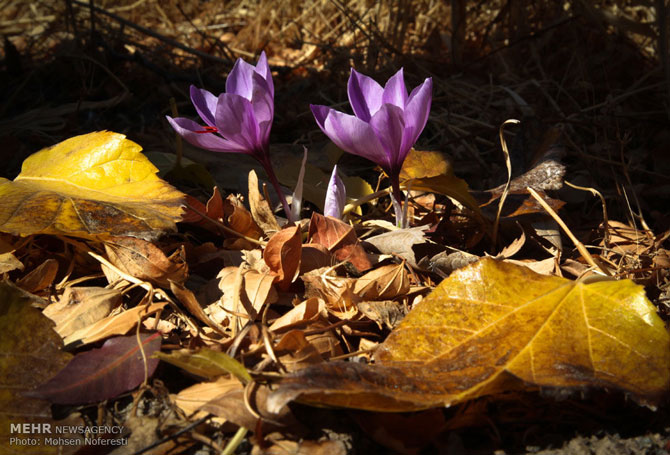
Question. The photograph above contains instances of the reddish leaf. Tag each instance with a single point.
(340, 239)
(104, 373)
(282, 255)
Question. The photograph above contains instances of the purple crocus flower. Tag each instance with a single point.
(238, 121)
(386, 124)
(336, 196)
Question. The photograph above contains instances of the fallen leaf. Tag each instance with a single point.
(383, 283)
(255, 290)
(145, 261)
(30, 353)
(431, 171)
(118, 324)
(492, 327)
(385, 313)
(260, 207)
(213, 210)
(91, 186)
(336, 291)
(302, 314)
(206, 363)
(193, 398)
(40, 277)
(283, 446)
(103, 373)
(340, 239)
(8, 262)
(409, 244)
(80, 307)
(188, 299)
(282, 255)
(239, 219)
(314, 256)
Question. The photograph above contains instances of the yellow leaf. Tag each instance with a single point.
(90, 186)
(431, 171)
(492, 327)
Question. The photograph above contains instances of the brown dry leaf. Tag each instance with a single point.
(9, 262)
(213, 209)
(336, 291)
(624, 239)
(118, 324)
(409, 244)
(431, 171)
(314, 256)
(385, 313)
(92, 186)
(383, 283)
(191, 399)
(303, 313)
(255, 290)
(145, 261)
(230, 405)
(492, 327)
(340, 239)
(239, 219)
(30, 353)
(188, 299)
(294, 351)
(80, 307)
(260, 208)
(282, 255)
(40, 277)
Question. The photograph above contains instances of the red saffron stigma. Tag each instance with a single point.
(207, 129)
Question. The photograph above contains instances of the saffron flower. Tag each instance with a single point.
(336, 196)
(238, 121)
(386, 124)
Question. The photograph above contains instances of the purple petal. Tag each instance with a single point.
(263, 69)
(418, 108)
(187, 128)
(365, 95)
(395, 91)
(389, 126)
(336, 196)
(263, 105)
(351, 134)
(239, 81)
(236, 122)
(205, 104)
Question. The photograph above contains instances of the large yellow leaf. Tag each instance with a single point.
(90, 186)
(492, 327)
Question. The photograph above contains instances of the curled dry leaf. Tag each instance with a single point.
(409, 244)
(100, 374)
(30, 353)
(80, 307)
(40, 278)
(239, 219)
(94, 186)
(256, 289)
(282, 255)
(188, 299)
(340, 239)
(383, 283)
(145, 261)
(118, 324)
(260, 207)
(492, 327)
(336, 291)
(193, 398)
(8, 262)
(302, 314)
